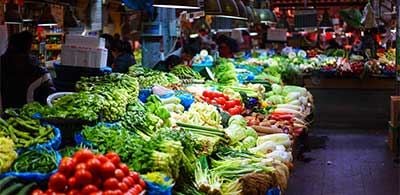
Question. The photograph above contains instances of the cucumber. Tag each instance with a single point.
(11, 190)
(6, 181)
(27, 189)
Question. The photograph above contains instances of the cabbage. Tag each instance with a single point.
(277, 138)
(248, 142)
(238, 120)
(250, 132)
(277, 89)
(280, 154)
(276, 99)
(236, 133)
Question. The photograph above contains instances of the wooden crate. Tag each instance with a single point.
(393, 139)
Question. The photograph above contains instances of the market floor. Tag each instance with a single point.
(346, 162)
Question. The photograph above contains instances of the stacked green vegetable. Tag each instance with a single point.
(225, 72)
(25, 132)
(166, 151)
(148, 77)
(41, 161)
(185, 72)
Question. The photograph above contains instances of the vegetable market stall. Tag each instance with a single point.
(230, 135)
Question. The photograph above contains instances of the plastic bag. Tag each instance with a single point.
(156, 189)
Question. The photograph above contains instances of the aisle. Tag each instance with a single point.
(345, 162)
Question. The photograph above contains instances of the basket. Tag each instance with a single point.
(33, 176)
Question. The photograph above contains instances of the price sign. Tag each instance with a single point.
(277, 34)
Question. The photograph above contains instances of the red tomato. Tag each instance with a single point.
(237, 102)
(83, 155)
(94, 165)
(102, 158)
(96, 193)
(110, 184)
(124, 168)
(235, 110)
(49, 192)
(97, 181)
(58, 182)
(213, 102)
(133, 191)
(230, 104)
(83, 177)
(128, 181)
(80, 166)
(72, 183)
(74, 192)
(89, 189)
(142, 183)
(114, 157)
(225, 97)
(135, 176)
(119, 174)
(67, 166)
(206, 93)
(37, 192)
(138, 188)
(107, 169)
(220, 101)
(123, 187)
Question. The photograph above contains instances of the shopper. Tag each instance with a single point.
(123, 59)
(227, 46)
(22, 79)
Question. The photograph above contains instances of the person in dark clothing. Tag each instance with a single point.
(108, 39)
(227, 46)
(22, 79)
(122, 58)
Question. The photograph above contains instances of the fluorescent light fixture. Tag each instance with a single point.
(177, 4)
(253, 34)
(194, 36)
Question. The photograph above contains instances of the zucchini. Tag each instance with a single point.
(27, 189)
(6, 181)
(11, 190)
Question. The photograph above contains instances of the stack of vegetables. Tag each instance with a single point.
(233, 139)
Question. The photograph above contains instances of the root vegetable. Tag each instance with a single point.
(267, 130)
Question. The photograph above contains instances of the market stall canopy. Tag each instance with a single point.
(177, 4)
(222, 8)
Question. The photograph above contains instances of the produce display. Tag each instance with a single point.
(231, 135)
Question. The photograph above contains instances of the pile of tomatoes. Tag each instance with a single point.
(91, 174)
(233, 107)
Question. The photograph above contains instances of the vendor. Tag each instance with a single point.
(22, 79)
(227, 46)
(123, 56)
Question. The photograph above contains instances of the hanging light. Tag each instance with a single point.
(47, 19)
(177, 4)
(326, 21)
(70, 20)
(266, 16)
(222, 9)
(12, 14)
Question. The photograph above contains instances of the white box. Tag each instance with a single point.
(84, 56)
(85, 41)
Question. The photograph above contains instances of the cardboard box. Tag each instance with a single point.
(83, 56)
(85, 41)
(394, 110)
